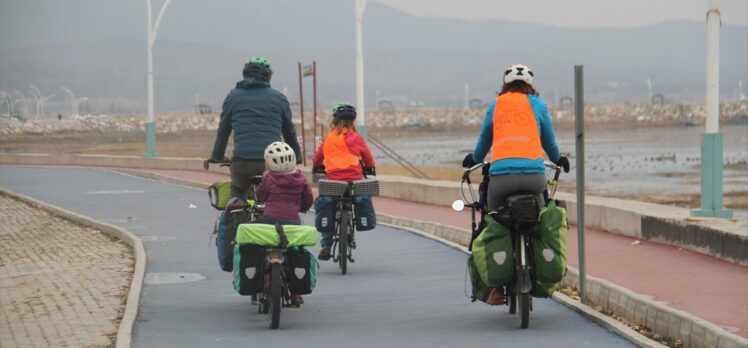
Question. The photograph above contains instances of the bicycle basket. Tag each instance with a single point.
(366, 187)
(332, 187)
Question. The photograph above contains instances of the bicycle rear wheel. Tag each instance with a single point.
(274, 298)
(343, 242)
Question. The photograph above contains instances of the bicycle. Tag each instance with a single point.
(520, 214)
(344, 237)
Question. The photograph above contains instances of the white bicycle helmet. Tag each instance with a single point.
(518, 72)
(279, 157)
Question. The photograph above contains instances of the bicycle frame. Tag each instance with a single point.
(344, 210)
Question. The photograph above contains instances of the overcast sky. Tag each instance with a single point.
(577, 13)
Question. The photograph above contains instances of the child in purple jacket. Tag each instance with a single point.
(284, 190)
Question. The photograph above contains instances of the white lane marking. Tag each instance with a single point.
(116, 192)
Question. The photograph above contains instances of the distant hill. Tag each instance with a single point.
(97, 49)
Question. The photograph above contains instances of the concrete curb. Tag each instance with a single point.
(124, 332)
(661, 319)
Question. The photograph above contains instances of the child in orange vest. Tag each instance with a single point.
(341, 151)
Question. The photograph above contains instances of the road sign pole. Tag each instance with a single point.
(301, 109)
(579, 125)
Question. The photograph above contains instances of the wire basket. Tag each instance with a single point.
(366, 187)
(332, 187)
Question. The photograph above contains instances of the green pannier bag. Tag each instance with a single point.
(219, 194)
(491, 263)
(266, 235)
(550, 250)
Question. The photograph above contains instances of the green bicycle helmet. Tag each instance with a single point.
(344, 111)
(258, 67)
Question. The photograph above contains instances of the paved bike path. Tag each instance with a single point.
(707, 287)
(404, 290)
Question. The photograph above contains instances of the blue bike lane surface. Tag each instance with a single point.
(403, 289)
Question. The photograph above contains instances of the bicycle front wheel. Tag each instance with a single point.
(343, 241)
(274, 298)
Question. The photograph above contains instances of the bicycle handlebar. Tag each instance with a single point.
(555, 167)
(223, 163)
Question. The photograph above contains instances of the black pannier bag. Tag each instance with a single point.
(248, 272)
(324, 217)
(301, 271)
(232, 219)
(363, 209)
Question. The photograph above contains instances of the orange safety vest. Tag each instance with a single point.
(515, 129)
(336, 153)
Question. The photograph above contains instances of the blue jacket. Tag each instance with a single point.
(519, 165)
(258, 115)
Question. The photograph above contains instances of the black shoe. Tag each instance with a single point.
(296, 301)
(324, 254)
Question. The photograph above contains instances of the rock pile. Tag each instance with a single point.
(620, 115)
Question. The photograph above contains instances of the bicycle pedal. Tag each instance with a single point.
(352, 260)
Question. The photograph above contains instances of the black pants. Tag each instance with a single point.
(241, 172)
(501, 186)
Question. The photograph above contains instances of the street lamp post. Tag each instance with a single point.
(150, 126)
(73, 101)
(37, 98)
(712, 140)
(360, 6)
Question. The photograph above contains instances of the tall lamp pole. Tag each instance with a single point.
(360, 6)
(150, 126)
(73, 100)
(712, 140)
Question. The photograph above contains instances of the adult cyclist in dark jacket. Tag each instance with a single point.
(258, 115)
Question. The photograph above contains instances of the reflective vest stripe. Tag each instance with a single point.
(515, 129)
(336, 152)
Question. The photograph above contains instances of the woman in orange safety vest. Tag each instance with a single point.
(341, 152)
(517, 129)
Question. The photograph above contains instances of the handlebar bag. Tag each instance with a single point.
(247, 269)
(491, 263)
(364, 214)
(550, 249)
(324, 214)
(301, 271)
(219, 194)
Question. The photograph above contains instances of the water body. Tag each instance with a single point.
(628, 160)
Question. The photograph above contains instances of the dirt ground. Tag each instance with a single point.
(198, 144)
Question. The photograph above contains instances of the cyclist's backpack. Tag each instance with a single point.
(219, 194)
(363, 210)
(491, 263)
(301, 271)
(550, 250)
(324, 213)
(225, 228)
(247, 269)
